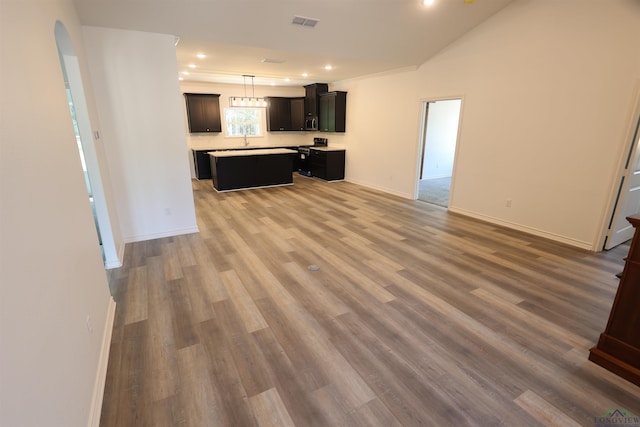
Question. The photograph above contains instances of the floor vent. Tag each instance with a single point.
(305, 22)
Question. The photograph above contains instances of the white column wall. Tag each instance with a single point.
(135, 79)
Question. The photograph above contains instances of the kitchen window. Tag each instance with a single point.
(243, 122)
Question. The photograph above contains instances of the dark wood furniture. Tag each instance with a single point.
(333, 109)
(202, 164)
(237, 169)
(618, 348)
(327, 164)
(203, 112)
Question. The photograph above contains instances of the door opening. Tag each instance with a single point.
(438, 140)
(627, 200)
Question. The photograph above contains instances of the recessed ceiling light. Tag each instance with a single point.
(180, 78)
(201, 55)
(428, 2)
(328, 67)
(186, 73)
(287, 79)
(305, 75)
(192, 65)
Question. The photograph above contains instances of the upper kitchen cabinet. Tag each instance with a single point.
(333, 111)
(203, 112)
(297, 114)
(312, 98)
(285, 114)
(278, 113)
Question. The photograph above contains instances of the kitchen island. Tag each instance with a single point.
(243, 169)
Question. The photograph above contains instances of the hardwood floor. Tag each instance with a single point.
(415, 317)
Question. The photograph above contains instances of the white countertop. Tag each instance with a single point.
(327, 148)
(258, 152)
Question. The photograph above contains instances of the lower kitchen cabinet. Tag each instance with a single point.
(201, 164)
(238, 169)
(328, 164)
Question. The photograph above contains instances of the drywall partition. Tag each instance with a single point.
(547, 87)
(53, 286)
(135, 80)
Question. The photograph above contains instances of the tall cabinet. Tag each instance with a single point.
(333, 112)
(618, 348)
(312, 94)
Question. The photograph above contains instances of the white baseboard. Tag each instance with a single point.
(101, 373)
(526, 229)
(171, 233)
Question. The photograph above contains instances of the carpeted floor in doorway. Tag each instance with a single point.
(435, 191)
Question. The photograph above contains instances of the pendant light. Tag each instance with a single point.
(247, 101)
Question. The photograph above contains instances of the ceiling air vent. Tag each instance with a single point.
(305, 22)
(272, 61)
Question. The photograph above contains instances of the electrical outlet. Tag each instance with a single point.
(508, 203)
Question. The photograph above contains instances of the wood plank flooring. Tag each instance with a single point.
(415, 317)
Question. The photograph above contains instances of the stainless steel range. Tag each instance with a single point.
(304, 158)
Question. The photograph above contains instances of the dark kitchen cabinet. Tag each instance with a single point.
(278, 114)
(203, 112)
(333, 112)
(312, 98)
(285, 114)
(328, 165)
(202, 164)
(297, 114)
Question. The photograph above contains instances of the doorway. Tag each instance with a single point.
(627, 200)
(438, 140)
(79, 116)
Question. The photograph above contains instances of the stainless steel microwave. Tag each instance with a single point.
(311, 123)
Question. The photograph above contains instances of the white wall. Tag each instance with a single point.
(547, 89)
(135, 79)
(51, 273)
(440, 138)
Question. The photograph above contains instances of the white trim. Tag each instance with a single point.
(103, 363)
(117, 263)
(526, 229)
(609, 212)
(171, 233)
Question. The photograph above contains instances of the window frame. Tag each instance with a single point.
(259, 123)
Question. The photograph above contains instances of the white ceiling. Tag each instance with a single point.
(356, 37)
